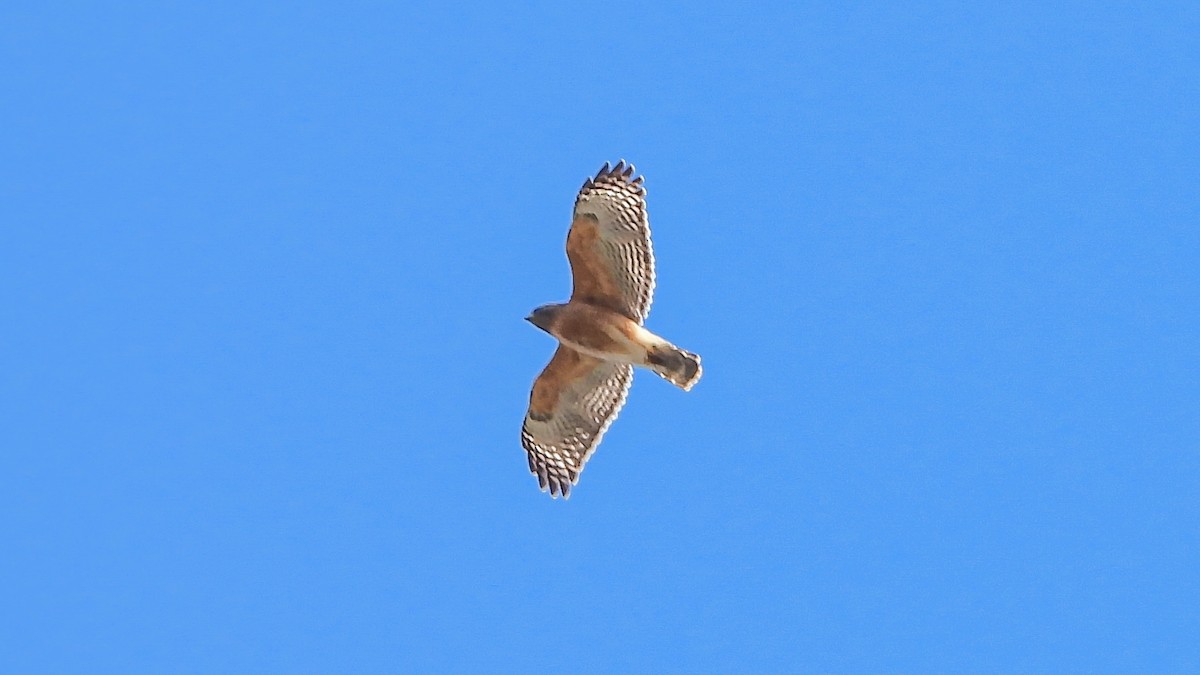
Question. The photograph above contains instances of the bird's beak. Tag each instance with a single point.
(529, 318)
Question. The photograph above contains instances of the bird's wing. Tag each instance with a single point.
(573, 401)
(612, 260)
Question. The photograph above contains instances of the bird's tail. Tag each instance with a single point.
(679, 367)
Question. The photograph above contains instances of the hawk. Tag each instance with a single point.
(599, 331)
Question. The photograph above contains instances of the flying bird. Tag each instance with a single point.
(599, 331)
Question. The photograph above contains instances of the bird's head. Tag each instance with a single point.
(543, 317)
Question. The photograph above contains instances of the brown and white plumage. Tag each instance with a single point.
(612, 259)
(581, 390)
(573, 401)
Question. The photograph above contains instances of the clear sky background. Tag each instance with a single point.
(264, 269)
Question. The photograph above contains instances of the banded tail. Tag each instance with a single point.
(679, 367)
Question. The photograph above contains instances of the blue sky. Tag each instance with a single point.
(264, 270)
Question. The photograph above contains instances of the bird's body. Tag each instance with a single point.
(600, 331)
(608, 336)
